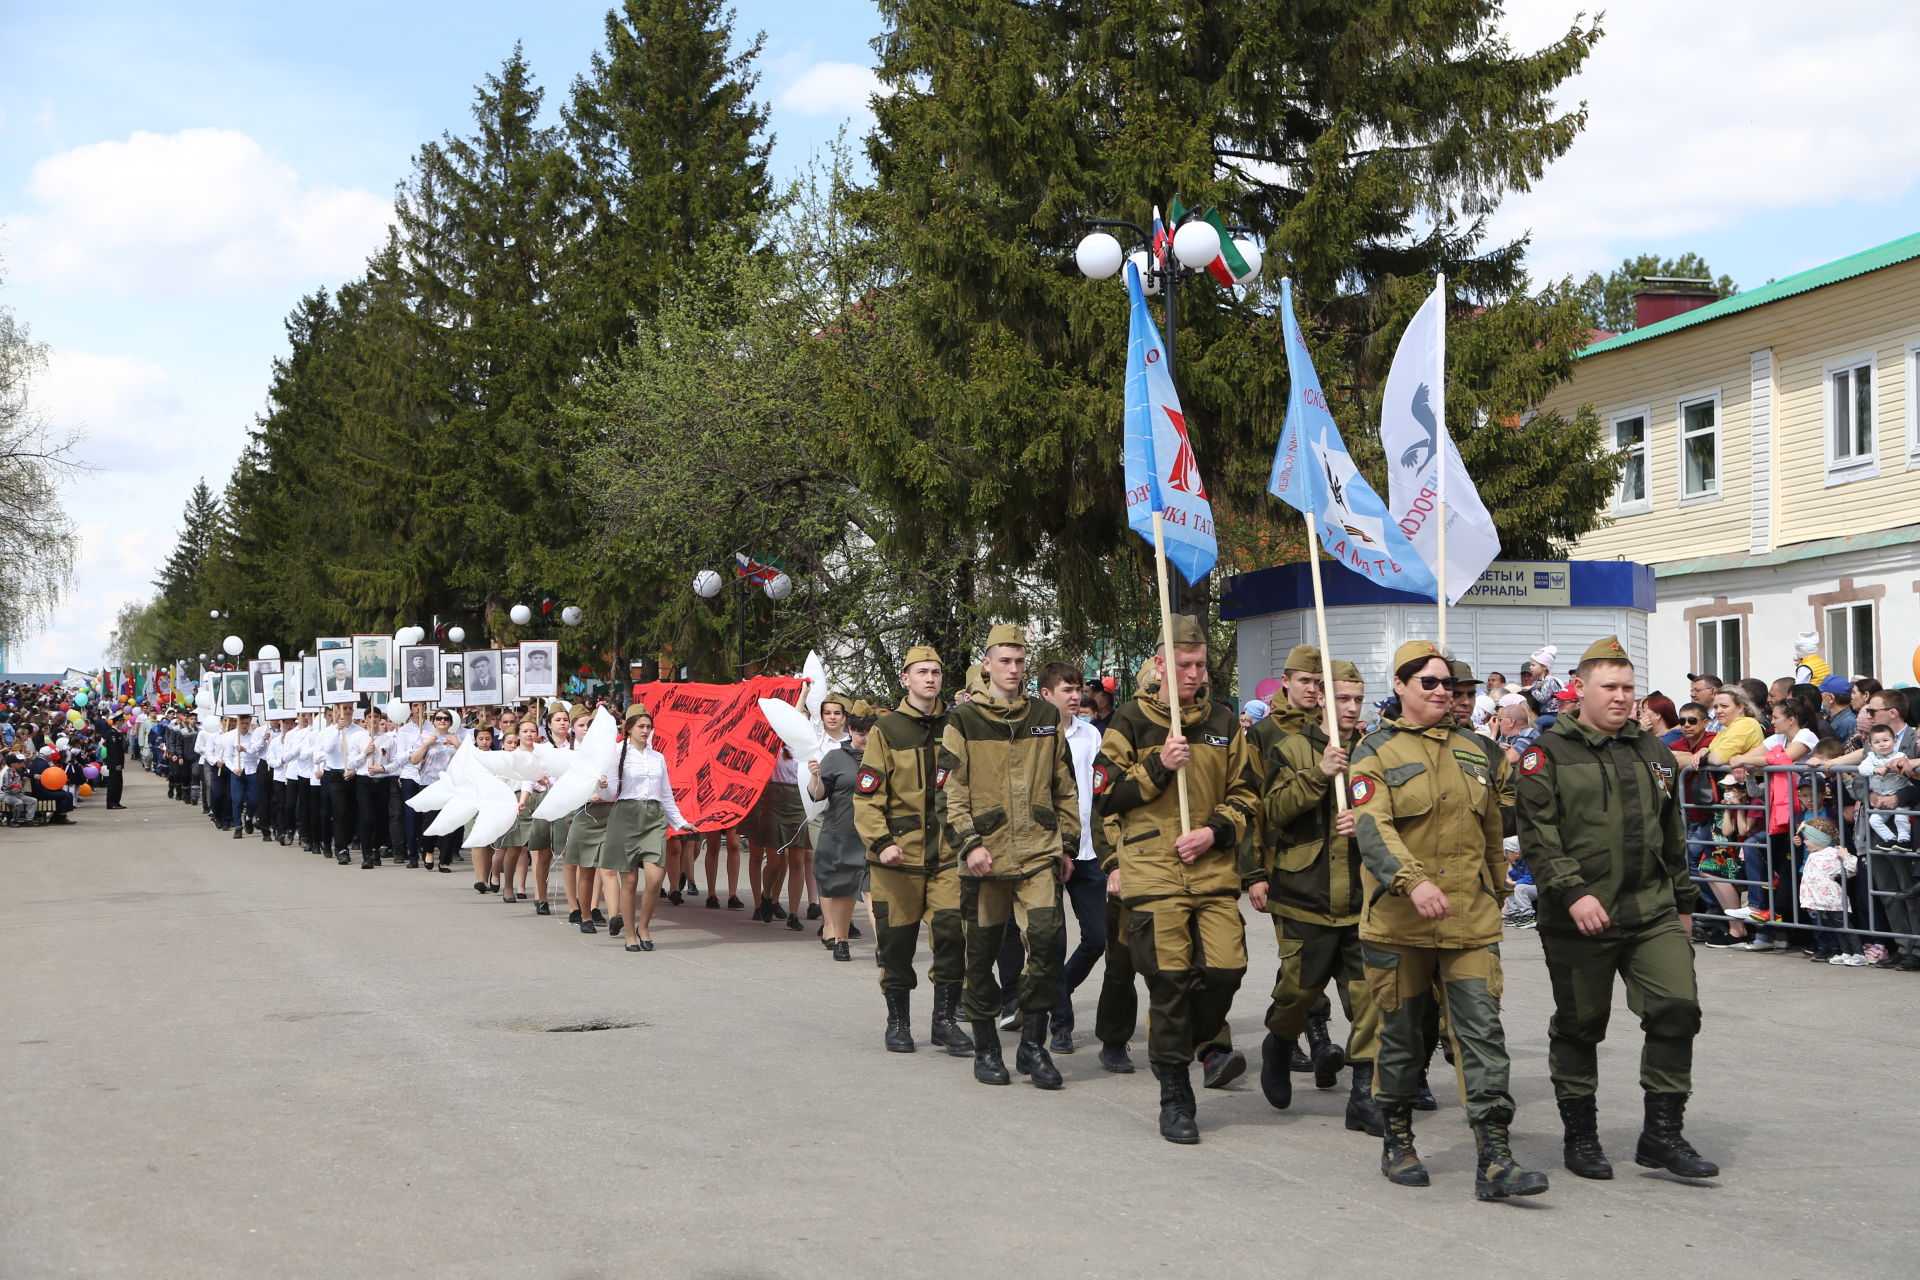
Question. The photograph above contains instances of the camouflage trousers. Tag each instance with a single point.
(1311, 956)
(1118, 1014)
(1193, 954)
(1404, 982)
(1033, 904)
(1655, 962)
(901, 900)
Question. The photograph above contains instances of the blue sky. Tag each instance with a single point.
(173, 177)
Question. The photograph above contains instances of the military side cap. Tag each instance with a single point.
(1414, 651)
(1303, 657)
(1462, 673)
(1006, 633)
(1187, 632)
(1344, 670)
(919, 653)
(1606, 649)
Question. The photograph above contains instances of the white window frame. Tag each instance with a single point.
(1639, 506)
(1680, 408)
(1859, 466)
(1714, 661)
(1845, 661)
(1911, 370)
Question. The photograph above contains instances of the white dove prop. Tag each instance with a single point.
(591, 760)
(815, 672)
(798, 733)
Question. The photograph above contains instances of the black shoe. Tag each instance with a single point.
(1222, 1067)
(1663, 1146)
(840, 951)
(1423, 1099)
(1580, 1126)
(615, 925)
(760, 912)
(899, 1021)
(676, 898)
(1115, 1058)
(586, 926)
(1398, 1159)
(1061, 1041)
(775, 911)
(1908, 963)
(479, 886)
(1498, 1176)
(446, 867)
(249, 826)
(266, 837)
(343, 857)
(1031, 1059)
(733, 903)
(573, 917)
(1327, 1057)
(1362, 1115)
(946, 1030)
(1276, 1081)
(543, 908)
(813, 911)
(987, 1066)
(1177, 1108)
(633, 946)
(236, 833)
(413, 861)
(793, 923)
(713, 903)
(853, 931)
(598, 917)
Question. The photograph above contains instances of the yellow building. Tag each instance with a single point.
(1773, 472)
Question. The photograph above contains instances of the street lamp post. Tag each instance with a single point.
(1195, 245)
(707, 584)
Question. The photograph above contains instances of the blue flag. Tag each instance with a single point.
(1312, 471)
(1161, 472)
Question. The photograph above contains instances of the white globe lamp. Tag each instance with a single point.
(570, 616)
(1099, 256)
(1251, 252)
(779, 588)
(1196, 244)
(268, 652)
(707, 584)
(457, 634)
(233, 646)
(521, 615)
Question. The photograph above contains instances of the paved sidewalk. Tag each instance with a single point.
(226, 1058)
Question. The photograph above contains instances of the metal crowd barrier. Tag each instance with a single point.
(1882, 896)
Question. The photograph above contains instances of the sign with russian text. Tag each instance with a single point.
(720, 750)
(1538, 583)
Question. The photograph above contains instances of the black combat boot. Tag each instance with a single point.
(987, 1066)
(1498, 1176)
(899, 1026)
(946, 1020)
(1327, 1057)
(1662, 1146)
(1423, 1099)
(1032, 1059)
(1115, 1058)
(1398, 1160)
(1580, 1119)
(1176, 1105)
(1221, 1068)
(1362, 1115)
(1276, 1080)
(1300, 1061)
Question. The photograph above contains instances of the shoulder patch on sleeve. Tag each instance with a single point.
(1362, 790)
(1532, 761)
(869, 781)
(940, 778)
(1102, 779)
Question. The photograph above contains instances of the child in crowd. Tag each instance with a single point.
(1884, 784)
(15, 796)
(1823, 893)
(1519, 910)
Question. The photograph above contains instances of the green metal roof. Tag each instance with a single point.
(1894, 251)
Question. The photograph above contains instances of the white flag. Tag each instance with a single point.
(1423, 467)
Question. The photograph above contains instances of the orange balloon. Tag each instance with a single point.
(1916, 664)
(53, 777)
(86, 789)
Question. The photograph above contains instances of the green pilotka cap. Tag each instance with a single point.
(1304, 658)
(1006, 633)
(1606, 649)
(1187, 632)
(920, 653)
(1415, 651)
(1344, 670)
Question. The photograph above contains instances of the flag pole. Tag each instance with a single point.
(1440, 475)
(1169, 686)
(1326, 661)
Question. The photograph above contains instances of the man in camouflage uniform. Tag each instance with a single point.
(898, 813)
(1427, 818)
(1012, 813)
(1309, 881)
(1180, 885)
(1602, 831)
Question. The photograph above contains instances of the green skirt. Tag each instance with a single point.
(520, 834)
(585, 834)
(636, 832)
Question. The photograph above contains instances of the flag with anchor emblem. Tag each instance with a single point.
(1162, 473)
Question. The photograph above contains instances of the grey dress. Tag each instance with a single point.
(840, 861)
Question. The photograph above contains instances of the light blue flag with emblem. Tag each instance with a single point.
(1162, 473)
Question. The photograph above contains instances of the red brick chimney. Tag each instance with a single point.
(1661, 297)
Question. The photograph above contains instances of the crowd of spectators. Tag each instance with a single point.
(58, 746)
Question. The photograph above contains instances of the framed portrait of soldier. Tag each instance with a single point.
(323, 643)
(483, 677)
(453, 680)
(540, 669)
(420, 673)
(510, 677)
(258, 670)
(373, 664)
(236, 693)
(278, 685)
(336, 676)
(310, 683)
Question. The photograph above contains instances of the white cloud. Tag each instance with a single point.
(830, 89)
(199, 209)
(1702, 117)
(129, 410)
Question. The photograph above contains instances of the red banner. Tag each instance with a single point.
(720, 750)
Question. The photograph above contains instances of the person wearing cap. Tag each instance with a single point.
(900, 813)
(1309, 882)
(1180, 884)
(1836, 704)
(1601, 825)
(1427, 818)
(1013, 813)
(840, 859)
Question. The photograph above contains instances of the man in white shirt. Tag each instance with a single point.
(344, 747)
(406, 785)
(245, 745)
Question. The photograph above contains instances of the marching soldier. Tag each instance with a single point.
(1180, 885)
(1012, 813)
(1604, 835)
(1309, 881)
(898, 812)
(1427, 817)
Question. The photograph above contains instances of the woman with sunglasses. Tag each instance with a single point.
(638, 809)
(429, 758)
(545, 836)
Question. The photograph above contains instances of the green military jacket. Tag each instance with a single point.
(1311, 873)
(1426, 807)
(896, 796)
(1007, 779)
(1140, 798)
(1601, 815)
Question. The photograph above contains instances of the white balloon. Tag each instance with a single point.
(594, 758)
(815, 671)
(496, 815)
(798, 733)
(707, 584)
(233, 646)
(1098, 256)
(521, 615)
(431, 796)
(1196, 244)
(459, 806)
(456, 634)
(779, 588)
(268, 653)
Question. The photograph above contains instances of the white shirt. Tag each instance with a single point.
(1083, 744)
(384, 761)
(344, 748)
(405, 739)
(646, 778)
(248, 747)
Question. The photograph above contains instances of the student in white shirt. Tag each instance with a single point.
(637, 808)
(546, 836)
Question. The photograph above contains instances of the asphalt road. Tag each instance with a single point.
(226, 1058)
